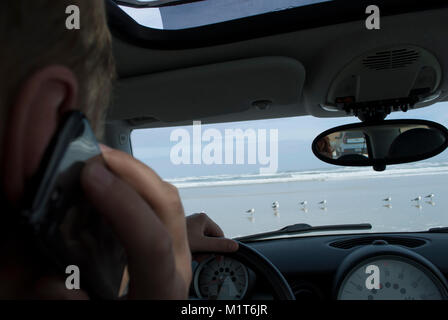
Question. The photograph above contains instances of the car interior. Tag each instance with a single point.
(315, 60)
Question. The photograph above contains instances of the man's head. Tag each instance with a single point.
(46, 70)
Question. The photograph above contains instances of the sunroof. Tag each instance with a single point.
(205, 12)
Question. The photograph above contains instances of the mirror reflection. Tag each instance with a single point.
(388, 141)
(348, 145)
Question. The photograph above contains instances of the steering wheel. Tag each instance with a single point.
(263, 267)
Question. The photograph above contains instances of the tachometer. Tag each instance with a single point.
(399, 278)
(221, 278)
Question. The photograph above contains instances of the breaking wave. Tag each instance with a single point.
(345, 173)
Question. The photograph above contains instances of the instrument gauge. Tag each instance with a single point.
(399, 278)
(221, 278)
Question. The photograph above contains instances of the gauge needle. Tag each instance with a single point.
(231, 289)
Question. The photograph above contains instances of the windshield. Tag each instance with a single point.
(259, 176)
(203, 13)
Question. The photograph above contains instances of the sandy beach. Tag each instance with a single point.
(354, 196)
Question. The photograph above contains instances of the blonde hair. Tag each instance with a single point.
(34, 35)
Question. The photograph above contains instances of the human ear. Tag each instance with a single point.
(32, 121)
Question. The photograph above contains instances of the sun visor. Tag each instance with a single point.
(211, 90)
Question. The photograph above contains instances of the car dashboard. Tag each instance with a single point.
(389, 266)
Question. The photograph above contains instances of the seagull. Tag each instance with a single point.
(304, 203)
(251, 211)
(419, 198)
(430, 196)
(275, 205)
(323, 202)
(388, 199)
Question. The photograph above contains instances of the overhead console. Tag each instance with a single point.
(385, 80)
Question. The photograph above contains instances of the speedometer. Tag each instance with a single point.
(399, 278)
(221, 278)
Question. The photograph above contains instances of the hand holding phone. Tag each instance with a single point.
(148, 217)
(133, 209)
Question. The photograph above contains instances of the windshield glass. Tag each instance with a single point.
(259, 176)
(208, 12)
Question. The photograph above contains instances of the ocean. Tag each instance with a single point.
(352, 195)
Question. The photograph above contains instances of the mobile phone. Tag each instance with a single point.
(65, 228)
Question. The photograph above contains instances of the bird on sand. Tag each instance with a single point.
(251, 211)
(388, 199)
(430, 196)
(419, 198)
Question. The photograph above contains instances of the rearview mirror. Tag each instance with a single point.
(382, 143)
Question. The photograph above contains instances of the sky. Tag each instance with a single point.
(295, 136)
